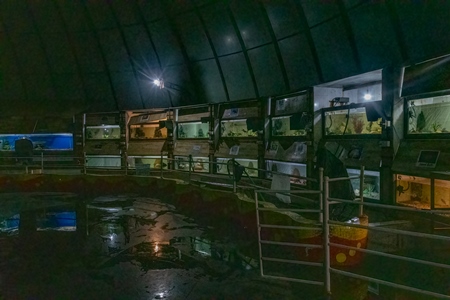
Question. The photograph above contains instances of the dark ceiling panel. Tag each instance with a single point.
(204, 2)
(425, 28)
(237, 77)
(12, 93)
(142, 56)
(334, 50)
(299, 63)
(69, 90)
(40, 89)
(193, 37)
(126, 90)
(31, 55)
(8, 61)
(88, 52)
(125, 11)
(114, 50)
(99, 94)
(59, 53)
(15, 15)
(166, 43)
(267, 71)
(374, 36)
(74, 15)
(47, 17)
(251, 23)
(101, 14)
(317, 12)
(221, 29)
(151, 10)
(353, 3)
(284, 18)
(211, 82)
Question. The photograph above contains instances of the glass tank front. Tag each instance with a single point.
(225, 166)
(103, 132)
(350, 121)
(193, 130)
(148, 162)
(413, 191)
(147, 131)
(236, 128)
(289, 126)
(429, 115)
(294, 170)
(198, 164)
(103, 161)
(441, 194)
(371, 186)
(55, 141)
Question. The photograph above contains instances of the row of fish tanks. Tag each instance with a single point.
(349, 118)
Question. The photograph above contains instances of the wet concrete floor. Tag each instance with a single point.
(63, 246)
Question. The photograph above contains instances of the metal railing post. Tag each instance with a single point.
(42, 162)
(261, 268)
(326, 238)
(234, 176)
(321, 194)
(361, 191)
(161, 166)
(190, 167)
(84, 163)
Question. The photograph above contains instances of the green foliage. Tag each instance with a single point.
(421, 121)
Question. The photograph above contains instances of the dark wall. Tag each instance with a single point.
(69, 56)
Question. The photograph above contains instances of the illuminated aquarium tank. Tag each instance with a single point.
(417, 192)
(350, 121)
(40, 141)
(428, 115)
(147, 131)
(236, 128)
(193, 130)
(103, 132)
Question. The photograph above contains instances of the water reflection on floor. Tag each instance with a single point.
(62, 246)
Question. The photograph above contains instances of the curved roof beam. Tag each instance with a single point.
(276, 46)
(244, 50)
(72, 50)
(311, 44)
(127, 49)
(152, 43)
(42, 46)
(16, 58)
(213, 49)
(102, 53)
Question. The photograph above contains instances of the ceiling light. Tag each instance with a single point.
(367, 96)
(159, 83)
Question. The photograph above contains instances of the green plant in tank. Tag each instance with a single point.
(421, 123)
(369, 126)
(358, 125)
(436, 127)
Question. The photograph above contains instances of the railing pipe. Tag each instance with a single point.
(42, 162)
(161, 166)
(361, 191)
(190, 168)
(326, 236)
(234, 176)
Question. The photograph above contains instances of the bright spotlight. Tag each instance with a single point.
(367, 96)
(159, 83)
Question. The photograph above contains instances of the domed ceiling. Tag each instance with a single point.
(66, 57)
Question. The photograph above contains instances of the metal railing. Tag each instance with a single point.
(260, 207)
(415, 288)
(57, 164)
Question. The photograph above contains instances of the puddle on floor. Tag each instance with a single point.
(98, 242)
